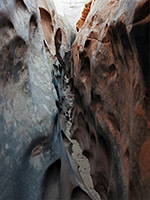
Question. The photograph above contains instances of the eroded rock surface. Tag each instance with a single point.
(108, 71)
(112, 103)
(84, 14)
(35, 154)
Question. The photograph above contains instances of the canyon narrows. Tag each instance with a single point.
(60, 90)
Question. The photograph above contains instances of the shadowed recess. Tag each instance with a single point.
(51, 182)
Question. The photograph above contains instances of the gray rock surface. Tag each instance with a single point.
(27, 109)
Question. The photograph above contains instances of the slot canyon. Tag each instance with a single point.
(74, 101)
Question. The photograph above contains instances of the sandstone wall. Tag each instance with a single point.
(84, 14)
(107, 68)
(112, 103)
(35, 154)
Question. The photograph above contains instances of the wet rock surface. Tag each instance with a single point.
(111, 84)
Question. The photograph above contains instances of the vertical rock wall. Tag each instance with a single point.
(108, 68)
(112, 103)
(35, 154)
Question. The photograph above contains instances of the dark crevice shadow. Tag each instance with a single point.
(51, 182)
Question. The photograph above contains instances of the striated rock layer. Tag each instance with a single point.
(84, 15)
(112, 97)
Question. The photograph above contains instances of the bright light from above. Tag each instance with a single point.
(71, 9)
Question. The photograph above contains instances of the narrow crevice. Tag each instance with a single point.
(64, 86)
